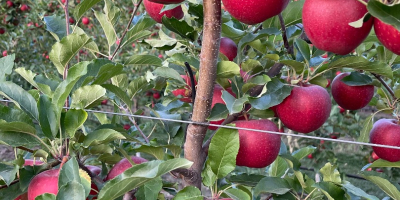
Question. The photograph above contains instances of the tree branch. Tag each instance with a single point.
(388, 88)
(202, 106)
(126, 30)
(284, 36)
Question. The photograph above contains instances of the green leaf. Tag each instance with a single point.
(29, 76)
(189, 193)
(292, 14)
(20, 97)
(237, 194)
(140, 30)
(138, 85)
(106, 72)
(246, 179)
(138, 175)
(144, 60)
(150, 190)
(108, 28)
(91, 46)
(303, 152)
(276, 93)
(278, 167)
(227, 69)
(86, 95)
(388, 187)
(113, 13)
(350, 188)
(218, 112)
(69, 172)
(18, 134)
(169, 73)
(6, 65)
(182, 28)
(119, 93)
(7, 173)
(360, 63)
(366, 129)
(296, 65)
(331, 190)
(84, 6)
(303, 48)
(102, 136)
(56, 26)
(157, 152)
(208, 176)
(250, 37)
(231, 32)
(384, 163)
(385, 13)
(47, 116)
(19, 127)
(64, 51)
(121, 81)
(46, 196)
(357, 79)
(291, 161)
(234, 105)
(223, 150)
(272, 185)
(330, 173)
(71, 190)
(73, 120)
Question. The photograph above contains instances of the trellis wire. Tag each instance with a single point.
(238, 128)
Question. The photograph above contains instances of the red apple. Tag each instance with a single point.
(5, 53)
(95, 171)
(153, 9)
(305, 109)
(374, 156)
(28, 162)
(104, 102)
(187, 91)
(160, 56)
(310, 156)
(24, 7)
(71, 20)
(341, 110)
(44, 182)
(257, 149)
(85, 20)
(388, 35)
(228, 48)
(127, 126)
(2, 31)
(156, 95)
(386, 132)
(254, 11)
(123, 165)
(326, 24)
(63, 1)
(133, 45)
(167, 1)
(351, 97)
(9, 4)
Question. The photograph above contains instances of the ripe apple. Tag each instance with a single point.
(9, 4)
(28, 162)
(217, 98)
(305, 109)
(24, 7)
(187, 91)
(374, 156)
(153, 9)
(5, 53)
(156, 95)
(85, 20)
(104, 102)
(2, 31)
(228, 48)
(351, 97)
(95, 171)
(63, 1)
(71, 20)
(44, 182)
(257, 149)
(386, 132)
(326, 24)
(127, 126)
(254, 11)
(388, 35)
(310, 156)
(123, 165)
(167, 1)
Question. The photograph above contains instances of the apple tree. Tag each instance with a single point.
(198, 95)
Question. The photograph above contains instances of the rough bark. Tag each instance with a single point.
(202, 105)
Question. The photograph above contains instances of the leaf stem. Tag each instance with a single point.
(126, 29)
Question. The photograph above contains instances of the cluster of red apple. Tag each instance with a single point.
(47, 181)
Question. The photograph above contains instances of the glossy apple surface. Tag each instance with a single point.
(85, 20)
(228, 47)
(351, 97)
(257, 149)
(29, 162)
(326, 23)
(44, 182)
(254, 11)
(167, 1)
(123, 165)
(386, 132)
(388, 35)
(153, 9)
(305, 109)
(187, 91)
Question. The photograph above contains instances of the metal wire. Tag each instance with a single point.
(239, 128)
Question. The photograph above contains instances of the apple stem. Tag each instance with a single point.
(192, 87)
(126, 29)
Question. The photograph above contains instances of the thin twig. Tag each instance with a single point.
(257, 29)
(284, 36)
(25, 149)
(135, 124)
(126, 29)
(388, 88)
(192, 81)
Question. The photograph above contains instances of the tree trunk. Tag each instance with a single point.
(202, 106)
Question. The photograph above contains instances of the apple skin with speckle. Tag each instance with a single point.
(388, 36)
(386, 132)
